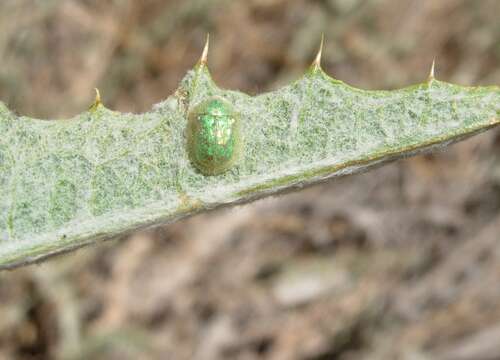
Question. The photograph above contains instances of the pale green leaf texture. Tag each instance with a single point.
(67, 183)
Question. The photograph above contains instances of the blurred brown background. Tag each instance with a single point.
(399, 263)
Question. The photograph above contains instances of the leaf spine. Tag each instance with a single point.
(432, 72)
(204, 55)
(316, 65)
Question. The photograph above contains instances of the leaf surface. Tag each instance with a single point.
(68, 183)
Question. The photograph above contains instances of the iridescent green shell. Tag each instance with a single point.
(213, 136)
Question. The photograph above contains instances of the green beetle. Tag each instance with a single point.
(213, 136)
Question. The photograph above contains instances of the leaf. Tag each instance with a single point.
(65, 184)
